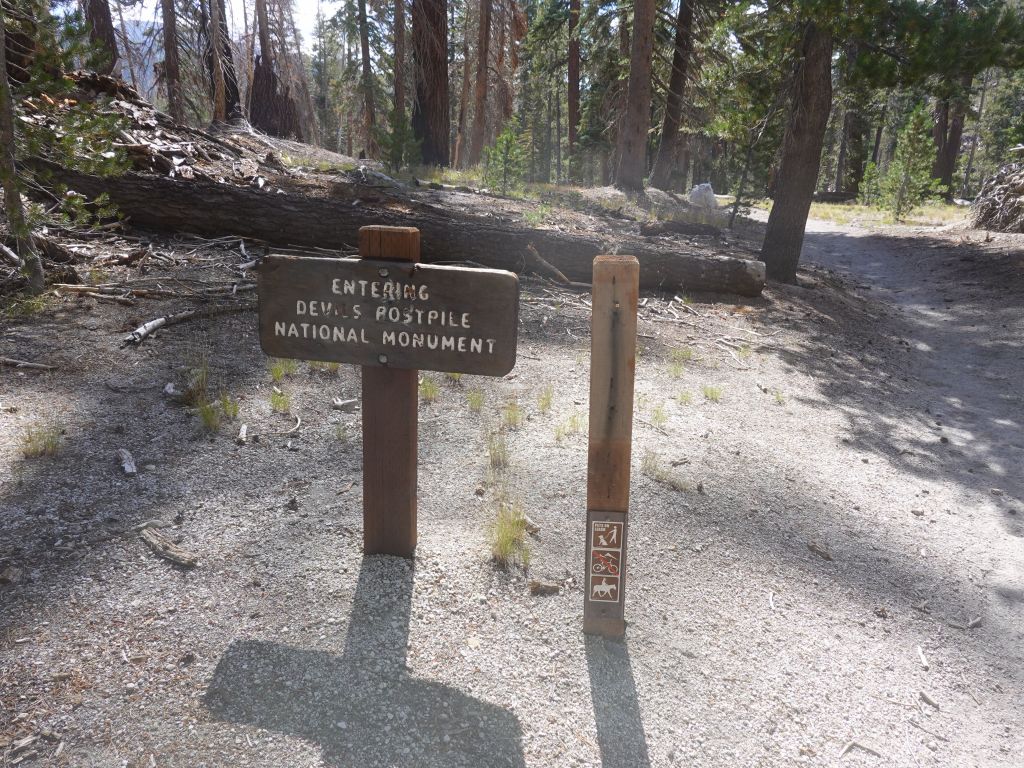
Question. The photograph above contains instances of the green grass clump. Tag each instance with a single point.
(279, 401)
(429, 390)
(675, 369)
(684, 397)
(279, 368)
(780, 399)
(342, 433)
(25, 306)
(538, 215)
(229, 406)
(210, 415)
(497, 451)
(320, 366)
(659, 417)
(712, 394)
(545, 398)
(511, 415)
(41, 439)
(475, 400)
(509, 542)
(745, 352)
(454, 377)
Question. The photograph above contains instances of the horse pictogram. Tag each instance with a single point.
(606, 589)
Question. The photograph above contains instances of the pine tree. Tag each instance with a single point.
(909, 181)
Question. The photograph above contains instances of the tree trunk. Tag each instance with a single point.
(632, 141)
(399, 63)
(210, 209)
(461, 150)
(431, 120)
(220, 104)
(661, 174)
(172, 72)
(13, 206)
(811, 102)
(949, 131)
(573, 99)
(127, 44)
(101, 32)
(974, 138)
(369, 118)
(483, 50)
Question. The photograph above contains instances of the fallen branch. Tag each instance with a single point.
(151, 327)
(25, 364)
(852, 744)
(167, 549)
(10, 256)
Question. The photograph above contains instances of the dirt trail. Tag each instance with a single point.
(826, 519)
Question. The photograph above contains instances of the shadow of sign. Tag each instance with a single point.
(364, 708)
(620, 731)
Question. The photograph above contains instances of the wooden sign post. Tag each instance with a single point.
(612, 368)
(392, 316)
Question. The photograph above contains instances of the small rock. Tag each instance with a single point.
(917, 512)
(293, 504)
(819, 550)
(881, 612)
(10, 575)
(997, 492)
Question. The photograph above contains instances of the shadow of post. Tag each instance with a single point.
(363, 708)
(620, 731)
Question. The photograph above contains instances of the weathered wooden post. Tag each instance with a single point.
(612, 367)
(390, 423)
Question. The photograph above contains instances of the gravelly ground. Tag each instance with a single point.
(286, 647)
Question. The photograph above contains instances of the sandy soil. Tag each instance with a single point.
(829, 554)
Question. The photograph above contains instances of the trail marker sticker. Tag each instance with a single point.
(605, 561)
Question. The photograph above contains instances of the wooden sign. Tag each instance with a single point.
(391, 315)
(612, 369)
(375, 311)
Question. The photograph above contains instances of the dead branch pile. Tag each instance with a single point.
(1000, 206)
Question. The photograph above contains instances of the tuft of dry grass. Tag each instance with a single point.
(711, 394)
(429, 390)
(41, 439)
(327, 368)
(659, 417)
(512, 415)
(546, 398)
(475, 400)
(279, 401)
(229, 406)
(210, 415)
(279, 368)
(651, 466)
(497, 451)
(509, 542)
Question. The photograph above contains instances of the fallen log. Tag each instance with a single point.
(279, 218)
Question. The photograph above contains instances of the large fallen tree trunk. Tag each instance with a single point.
(209, 209)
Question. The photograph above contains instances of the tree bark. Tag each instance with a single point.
(949, 131)
(399, 63)
(573, 99)
(632, 141)
(172, 71)
(661, 174)
(369, 118)
(430, 117)
(101, 32)
(210, 209)
(461, 150)
(811, 102)
(483, 50)
(13, 206)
